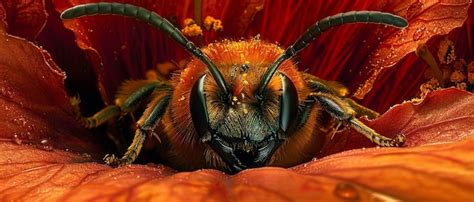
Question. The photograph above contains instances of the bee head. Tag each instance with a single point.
(242, 129)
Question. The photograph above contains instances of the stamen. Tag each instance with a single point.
(423, 51)
(212, 23)
(191, 28)
(446, 53)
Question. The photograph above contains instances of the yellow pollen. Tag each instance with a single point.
(188, 21)
(192, 30)
(212, 23)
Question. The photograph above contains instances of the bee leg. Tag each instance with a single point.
(342, 111)
(107, 113)
(128, 99)
(320, 85)
(132, 92)
(145, 126)
(361, 110)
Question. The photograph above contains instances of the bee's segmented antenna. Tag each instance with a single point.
(316, 29)
(151, 18)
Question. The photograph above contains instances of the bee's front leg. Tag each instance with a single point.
(145, 126)
(342, 111)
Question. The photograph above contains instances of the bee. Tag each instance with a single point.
(237, 104)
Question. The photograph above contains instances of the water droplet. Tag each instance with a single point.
(419, 33)
(45, 145)
(346, 191)
(16, 139)
(305, 165)
(9, 160)
(414, 9)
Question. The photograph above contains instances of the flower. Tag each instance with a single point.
(46, 155)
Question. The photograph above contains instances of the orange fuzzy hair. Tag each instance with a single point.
(258, 55)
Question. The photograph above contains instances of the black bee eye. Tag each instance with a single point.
(197, 104)
(288, 103)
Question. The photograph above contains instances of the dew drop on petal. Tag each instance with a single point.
(414, 9)
(346, 191)
(45, 141)
(16, 139)
(419, 33)
(45, 145)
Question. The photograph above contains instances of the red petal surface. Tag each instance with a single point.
(24, 18)
(34, 106)
(427, 19)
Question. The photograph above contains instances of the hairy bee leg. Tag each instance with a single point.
(374, 136)
(131, 99)
(108, 113)
(133, 92)
(342, 111)
(132, 151)
(361, 110)
(145, 126)
(99, 118)
(321, 85)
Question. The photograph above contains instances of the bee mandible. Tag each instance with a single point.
(237, 104)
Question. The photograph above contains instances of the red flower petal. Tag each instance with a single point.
(407, 73)
(437, 172)
(23, 18)
(426, 19)
(81, 78)
(34, 106)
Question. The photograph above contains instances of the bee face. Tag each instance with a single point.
(242, 129)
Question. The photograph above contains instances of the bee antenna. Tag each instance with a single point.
(319, 27)
(153, 19)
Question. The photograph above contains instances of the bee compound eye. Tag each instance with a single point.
(198, 107)
(288, 103)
